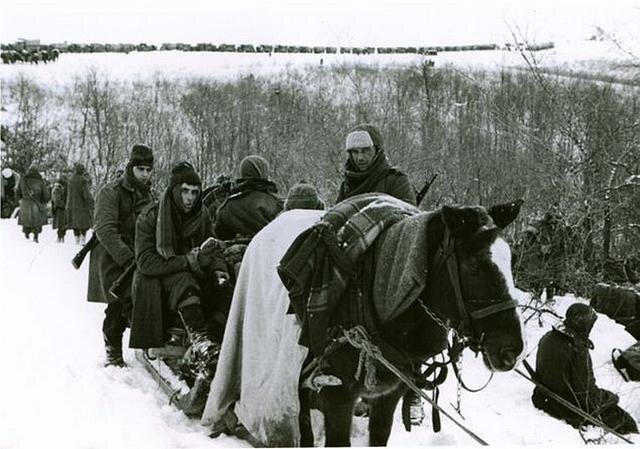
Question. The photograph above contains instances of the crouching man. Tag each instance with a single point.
(564, 366)
(177, 276)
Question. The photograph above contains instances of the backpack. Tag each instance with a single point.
(627, 362)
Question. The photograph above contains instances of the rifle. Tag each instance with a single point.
(423, 192)
(120, 285)
(89, 246)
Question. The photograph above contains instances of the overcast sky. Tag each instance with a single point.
(346, 22)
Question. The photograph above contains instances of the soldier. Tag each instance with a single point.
(173, 264)
(79, 210)
(303, 196)
(58, 206)
(564, 366)
(33, 195)
(10, 181)
(252, 204)
(367, 169)
(118, 204)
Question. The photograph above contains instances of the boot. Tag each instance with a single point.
(113, 354)
(60, 240)
(35, 238)
(202, 356)
(26, 235)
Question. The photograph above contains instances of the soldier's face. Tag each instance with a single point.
(189, 194)
(142, 173)
(362, 157)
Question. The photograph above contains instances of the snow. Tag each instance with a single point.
(57, 394)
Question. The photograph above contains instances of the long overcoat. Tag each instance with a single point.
(80, 203)
(149, 309)
(33, 194)
(117, 207)
(58, 205)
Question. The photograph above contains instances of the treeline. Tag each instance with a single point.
(566, 146)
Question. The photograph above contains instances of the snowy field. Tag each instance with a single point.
(592, 56)
(57, 394)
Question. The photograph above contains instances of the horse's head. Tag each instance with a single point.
(477, 263)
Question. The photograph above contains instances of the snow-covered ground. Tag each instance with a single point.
(57, 395)
(595, 56)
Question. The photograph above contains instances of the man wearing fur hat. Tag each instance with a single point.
(564, 366)
(178, 262)
(252, 204)
(118, 204)
(367, 168)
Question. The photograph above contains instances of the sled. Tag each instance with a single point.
(161, 363)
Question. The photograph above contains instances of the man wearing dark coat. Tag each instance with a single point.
(33, 195)
(117, 207)
(179, 265)
(80, 203)
(58, 207)
(564, 366)
(8, 191)
(252, 204)
(367, 169)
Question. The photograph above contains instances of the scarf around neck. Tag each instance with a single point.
(256, 184)
(357, 182)
(175, 225)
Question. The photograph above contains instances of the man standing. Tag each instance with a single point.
(79, 208)
(174, 265)
(58, 206)
(252, 204)
(33, 195)
(118, 205)
(9, 189)
(367, 169)
(564, 366)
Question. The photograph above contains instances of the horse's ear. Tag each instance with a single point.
(504, 214)
(455, 218)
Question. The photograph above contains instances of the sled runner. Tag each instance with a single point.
(163, 366)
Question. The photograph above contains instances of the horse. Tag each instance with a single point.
(465, 284)
(469, 288)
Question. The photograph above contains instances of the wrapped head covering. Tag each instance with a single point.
(254, 166)
(303, 196)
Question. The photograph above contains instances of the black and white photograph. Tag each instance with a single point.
(283, 223)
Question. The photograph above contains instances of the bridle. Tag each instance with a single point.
(466, 328)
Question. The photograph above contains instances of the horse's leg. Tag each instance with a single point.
(381, 411)
(306, 430)
(337, 407)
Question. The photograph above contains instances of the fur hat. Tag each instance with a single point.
(374, 134)
(358, 139)
(303, 196)
(141, 155)
(580, 318)
(254, 166)
(184, 172)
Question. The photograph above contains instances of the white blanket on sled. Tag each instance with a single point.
(260, 360)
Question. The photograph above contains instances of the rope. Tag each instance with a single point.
(358, 338)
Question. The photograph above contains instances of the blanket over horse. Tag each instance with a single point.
(260, 362)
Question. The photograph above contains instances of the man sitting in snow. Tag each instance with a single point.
(174, 264)
(564, 366)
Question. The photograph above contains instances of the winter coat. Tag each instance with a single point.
(58, 205)
(8, 193)
(380, 178)
(33, 194)
(563, 365)
(117, 207)
(80, 204)
(148, 324)
(251, 206)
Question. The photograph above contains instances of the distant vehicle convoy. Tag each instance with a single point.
(33, 51)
